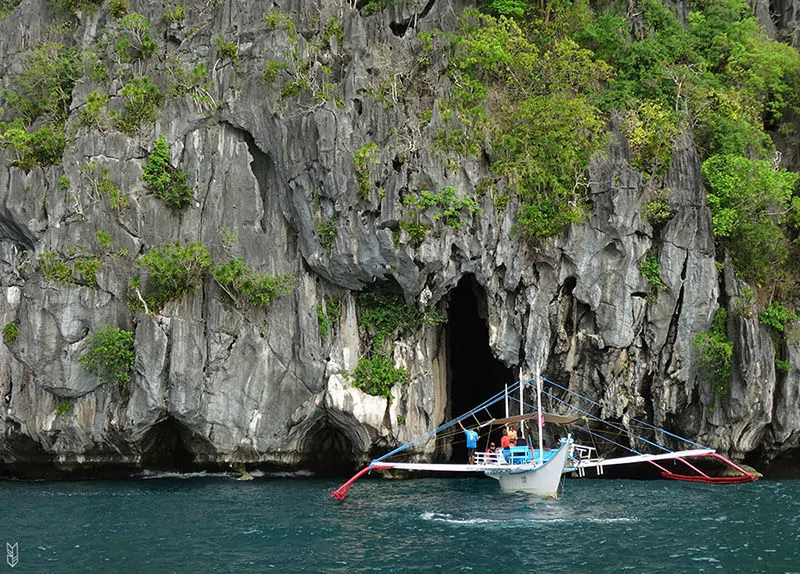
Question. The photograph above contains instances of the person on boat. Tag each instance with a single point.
(512, 436)
(472, 442)
(504, 439)
(491, 448)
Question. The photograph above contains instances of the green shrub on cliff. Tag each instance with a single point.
(43, 147)
(10, 332)
(165, 181)
(109, 355)
(383, 314)
(747, 199)
(174, 271)
(44, 87)
(377, 375)
(142, 102)
(245, 285)
(6, 6)
(715, 353)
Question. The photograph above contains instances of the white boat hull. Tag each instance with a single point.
(540, 480)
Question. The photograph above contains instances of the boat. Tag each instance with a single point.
(519, 468)
(540, 471)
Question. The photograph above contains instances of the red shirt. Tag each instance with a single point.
(504, 441)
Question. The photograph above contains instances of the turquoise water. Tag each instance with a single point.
(218, 524)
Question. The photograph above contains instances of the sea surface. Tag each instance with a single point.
(214, 523)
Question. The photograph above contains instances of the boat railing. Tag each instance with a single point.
(581, 452)
(489, 458)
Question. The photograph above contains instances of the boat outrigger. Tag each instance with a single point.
(539, 471)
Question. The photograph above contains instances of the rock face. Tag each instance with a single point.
(216, 384)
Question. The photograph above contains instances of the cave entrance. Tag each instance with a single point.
(163, 448)
(329, 451)
(474, 375)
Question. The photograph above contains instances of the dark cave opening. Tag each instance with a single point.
(329, 451)
(474, 375)
(163, 448)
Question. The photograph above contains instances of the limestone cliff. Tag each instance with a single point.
(215, 383)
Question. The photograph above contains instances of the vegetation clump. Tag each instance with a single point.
(173, 271)
(165, 181)
(65, 407)
(109, 355)
(445, 207)
(363, 158)
(142, 102)
(651, 270)
(715, 353)
(10, 333)
(377, 375)
(328, 314)
(245, 285)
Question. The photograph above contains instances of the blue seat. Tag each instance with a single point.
(518, 455)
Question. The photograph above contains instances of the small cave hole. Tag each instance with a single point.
(163, 448)
(329, 451)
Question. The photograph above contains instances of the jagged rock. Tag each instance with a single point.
(244, 385)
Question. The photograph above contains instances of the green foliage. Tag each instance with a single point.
(508, 8)
(63, 182)
(657, 210)
(107, 188)
(65, 407)
(373, 7)
(328, 315)
(276, 19)
(244, 285)
(54, 268)
(332, 30)
(384, 314)
(118, 9)
(416, 232)
(165, 181)
(175, 13)
(229, 50)
(651, 129)
(542, 124)
(10, 333)
(715, 353)
(82, 269)
(271, 70)
(363, 158)
(746, 199)
(44, 87)
(377, 375)
(193, 83)
(93, 113)
(86, 268)
(133, 41)
(782, 366)
(174, 271)
(228, 235)
(327, 231)
(446, 207)
(42, 147)
(142, 101)
(109, 355)
(7, 6)
(103, 240)
(778, 317)
(651, 270)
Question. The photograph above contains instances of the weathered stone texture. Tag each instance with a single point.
(260, 386)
